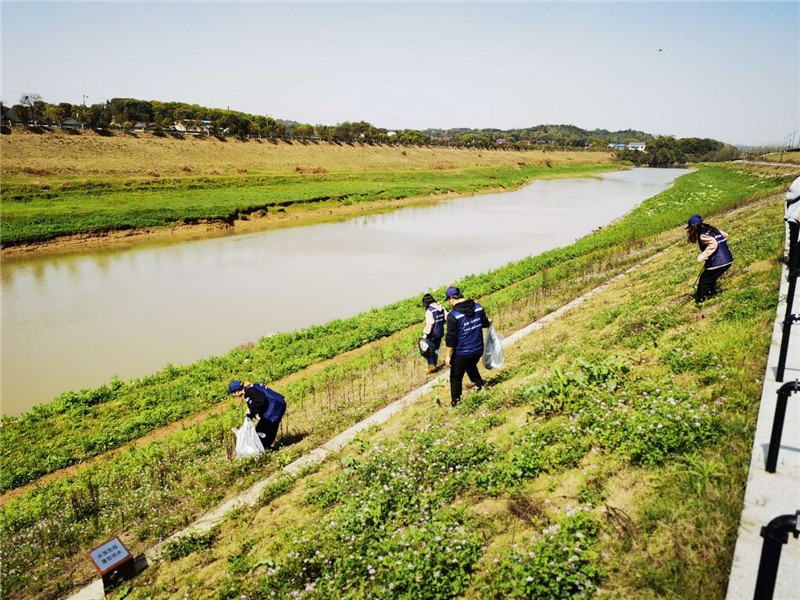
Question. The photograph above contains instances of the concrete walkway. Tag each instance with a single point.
(771, 495)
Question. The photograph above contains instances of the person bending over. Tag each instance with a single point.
(264, 403)
(714, 252)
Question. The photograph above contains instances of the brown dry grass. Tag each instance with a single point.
(30, 157)
(790, 157)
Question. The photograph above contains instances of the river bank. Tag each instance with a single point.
(642, 325)
(64, 190)
(153, 295)
(292, 216)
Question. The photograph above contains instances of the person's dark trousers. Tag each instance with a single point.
(432, 360)
(707, 285)
(458, 366)
(794, 249)
(267, 431)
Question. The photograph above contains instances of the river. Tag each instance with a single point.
(74, 321)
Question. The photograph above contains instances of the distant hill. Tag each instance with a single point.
(561, 135)
(154, 115)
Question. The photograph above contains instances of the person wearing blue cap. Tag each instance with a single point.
(263, 403)
(463, 341)
(714, 252)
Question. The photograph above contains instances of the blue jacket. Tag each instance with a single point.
(438, 322)
(722, 255)
(465, 325)
(265, 402)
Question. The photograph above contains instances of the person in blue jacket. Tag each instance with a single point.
(714, 252)
(435, 316)
(463, 341)
(264, 403)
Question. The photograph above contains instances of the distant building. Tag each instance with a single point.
(142, 126)
(640, 146)
(501, 141)
(70, 123)
(617, 146)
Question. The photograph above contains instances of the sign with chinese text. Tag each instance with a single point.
(109, 555)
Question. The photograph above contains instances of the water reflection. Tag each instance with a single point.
(74, 321)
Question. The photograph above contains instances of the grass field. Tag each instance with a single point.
(790, 157)
(608, 454)
(53, 158)
(604, 461)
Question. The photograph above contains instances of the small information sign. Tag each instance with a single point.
(109, 555)
(113, 561)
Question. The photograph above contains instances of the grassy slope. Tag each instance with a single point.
(666, 521)
(329, 399)
(78, 426)
(57, 185)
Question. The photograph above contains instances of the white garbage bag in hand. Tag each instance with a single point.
(493, 350)
(247, 441)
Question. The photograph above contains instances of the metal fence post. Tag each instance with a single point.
(777, 423)
(785, 335)
(793, 264)
(775, 535)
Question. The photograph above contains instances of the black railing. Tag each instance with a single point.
(784, 392)
(775, 535)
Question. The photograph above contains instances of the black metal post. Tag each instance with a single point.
(777, 423)
(775, 535)
(785, 335)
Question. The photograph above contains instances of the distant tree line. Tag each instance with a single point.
(664, 151)
(126, 113)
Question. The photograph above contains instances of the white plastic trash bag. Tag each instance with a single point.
(247, 441)
(493, 350)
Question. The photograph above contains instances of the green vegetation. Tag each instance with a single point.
(502, 486)
(79, 425)
(33, 214)
(664, 151)
(176, 117)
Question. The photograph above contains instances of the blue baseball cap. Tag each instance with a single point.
(235, 386)
(453, 292)
(694, 220)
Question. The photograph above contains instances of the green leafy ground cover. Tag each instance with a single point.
(79, 425)
(150, 491)
(606, 460)
(31, 214)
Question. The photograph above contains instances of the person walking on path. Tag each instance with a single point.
(714, 252)
(463, 341)
(264, 403)
(435, 316)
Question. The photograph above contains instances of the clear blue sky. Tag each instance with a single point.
(724, 70)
